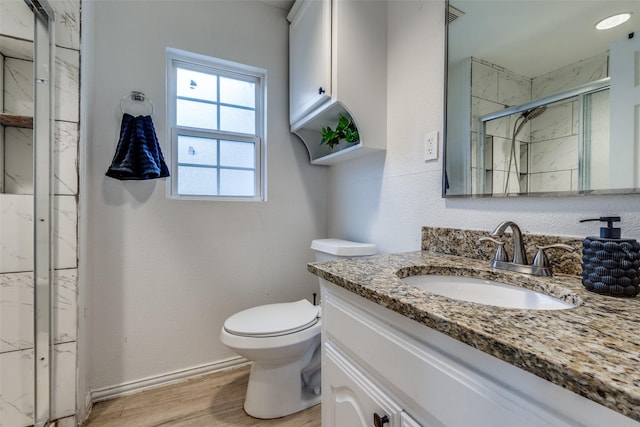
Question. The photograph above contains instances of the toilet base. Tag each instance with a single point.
(276, 391)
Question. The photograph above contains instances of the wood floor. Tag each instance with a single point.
(211, 401)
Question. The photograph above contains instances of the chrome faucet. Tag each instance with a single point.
(519, 254)
(519, 263)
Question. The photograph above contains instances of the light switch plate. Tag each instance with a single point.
(431, 146)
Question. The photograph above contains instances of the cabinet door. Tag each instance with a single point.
(309, 57)
(350, 399)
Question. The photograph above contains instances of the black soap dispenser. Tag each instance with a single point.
(610, 264)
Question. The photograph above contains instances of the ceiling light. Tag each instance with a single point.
(613, 21)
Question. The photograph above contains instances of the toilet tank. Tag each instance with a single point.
(328, 249)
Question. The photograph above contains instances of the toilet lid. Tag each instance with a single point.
(273, 319)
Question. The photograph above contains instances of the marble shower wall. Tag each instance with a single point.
(555, 134)
(547, 146)
(494, 88)
(16, 215)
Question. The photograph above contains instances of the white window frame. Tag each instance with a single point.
(198, 62)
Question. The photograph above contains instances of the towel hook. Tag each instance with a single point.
(135, 96)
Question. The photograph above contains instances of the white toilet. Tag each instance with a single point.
(283, 342)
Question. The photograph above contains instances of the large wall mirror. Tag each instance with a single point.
(539, 101)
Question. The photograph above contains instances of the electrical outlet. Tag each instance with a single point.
(431, 146)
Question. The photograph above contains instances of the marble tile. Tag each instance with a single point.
(67, 25)
(481, 107)
(16, 311)
(16, 385)
(502, 153)
(16, 388)
(553, 155)
(67, 102)
(555, 122)
(585, 71)
(18, 160)
(16, 48)
(550, 181)
(65, 232)
(16, 233)
(16, 19)
(65, 161)
(65, 306)
(63, 395)
(484, 81)
(513, 89)
(18, 86)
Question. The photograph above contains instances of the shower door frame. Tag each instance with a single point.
(43, 137)
(578, 91)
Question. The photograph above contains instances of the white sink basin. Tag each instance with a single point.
(486, 292)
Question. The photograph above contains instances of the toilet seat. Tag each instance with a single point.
(273, 320)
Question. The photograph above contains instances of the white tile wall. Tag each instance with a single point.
(18, 167)
(513, 89)
(16, 309)
(67, 102)
(554, 133)
(63, 400)
(16, 233)
(16, 388)
(16, 19)
(16, 385)
(585, 71)
(65, 160)
(65, 239)
(16, 224)
(18, 86)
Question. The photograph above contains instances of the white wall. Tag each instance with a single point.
(387, 199)
(162, 275)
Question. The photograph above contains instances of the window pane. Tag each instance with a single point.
(194, 181)
(237, 154)
(237, 92)
(197, 150)
(196, 114)
(192, 84)
(237, 182)
(237, 120)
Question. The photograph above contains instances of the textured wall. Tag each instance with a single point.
(165, 274)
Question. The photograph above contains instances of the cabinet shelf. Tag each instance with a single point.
(15, 120)
(309, 133)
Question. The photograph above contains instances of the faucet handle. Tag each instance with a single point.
(501, 253)
(540, 259)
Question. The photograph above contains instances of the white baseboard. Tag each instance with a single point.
(136, 386)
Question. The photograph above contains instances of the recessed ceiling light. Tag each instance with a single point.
(613, 21)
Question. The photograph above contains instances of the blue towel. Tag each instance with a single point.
(138, 154)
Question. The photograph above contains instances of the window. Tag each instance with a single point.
(215, 125)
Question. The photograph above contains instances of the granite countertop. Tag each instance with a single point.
(592, 349)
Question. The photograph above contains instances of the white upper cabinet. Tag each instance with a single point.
(310, 57)
(338, 66)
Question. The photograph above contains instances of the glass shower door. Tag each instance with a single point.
(26, 46)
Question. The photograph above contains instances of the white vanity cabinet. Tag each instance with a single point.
(337, 65)
(376, 361)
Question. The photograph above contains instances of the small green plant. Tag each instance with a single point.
(346, 129)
